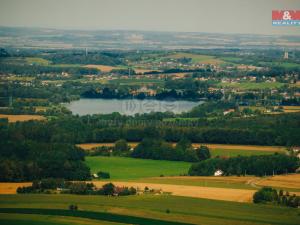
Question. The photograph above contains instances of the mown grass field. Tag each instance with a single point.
(205, 59)
(236, 152)
(182, 209)
(123, 168)
(289, 182)
(252, 85)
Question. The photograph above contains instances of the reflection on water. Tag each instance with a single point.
(128, 106)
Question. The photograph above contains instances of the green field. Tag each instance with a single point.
(34, 219)
(134, 81)
(196, 58)
(237, 152)
(37, 61)
(182, 209)
(122, 168)
(201, 182)
(252, 85)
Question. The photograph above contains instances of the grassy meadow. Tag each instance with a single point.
(123, 168)
(182, 209)
(196, 58)
(252, 85)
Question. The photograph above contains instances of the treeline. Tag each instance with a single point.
(52, 185)
(270, 195)
(260, 130)
(258, 165)
(33, 70)
(22, 160)
(80, 57)
(111, 93)
(155, 148)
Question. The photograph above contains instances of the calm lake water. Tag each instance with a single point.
(128, 106)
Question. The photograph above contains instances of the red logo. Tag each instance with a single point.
(286, 15)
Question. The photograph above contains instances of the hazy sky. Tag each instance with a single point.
(221, 16)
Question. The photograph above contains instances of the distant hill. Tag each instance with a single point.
(126, 40)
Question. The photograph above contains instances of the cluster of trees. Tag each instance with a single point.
(22, 160)
(103, 175)
(119, 93)
(156, 148)
(29, 70)
(258, 165)
(270, 195)
(106, 93)
(80, 57)
(52, 185)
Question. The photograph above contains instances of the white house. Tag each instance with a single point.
(218, 173)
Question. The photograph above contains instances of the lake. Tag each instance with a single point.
(128, 106)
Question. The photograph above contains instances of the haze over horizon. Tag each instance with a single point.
(209, 16)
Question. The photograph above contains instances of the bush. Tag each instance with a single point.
(80, 188)
(203, 153)
(270, 195)
(108, 189)
(73, 207)
(121, 146)
(265, 194)
(25, 190)
(103, 175)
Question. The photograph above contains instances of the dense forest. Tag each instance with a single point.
(24, 159)
(259, 130)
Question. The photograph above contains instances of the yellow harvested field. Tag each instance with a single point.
(217, 193)
(291, 109)
(226, 194)
(89, 146)
(11, 188)
(103, 68)
(21, 118)
(284, 181)
(243, 147)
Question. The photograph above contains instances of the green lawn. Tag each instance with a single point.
(182, 209)
(122, 168)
